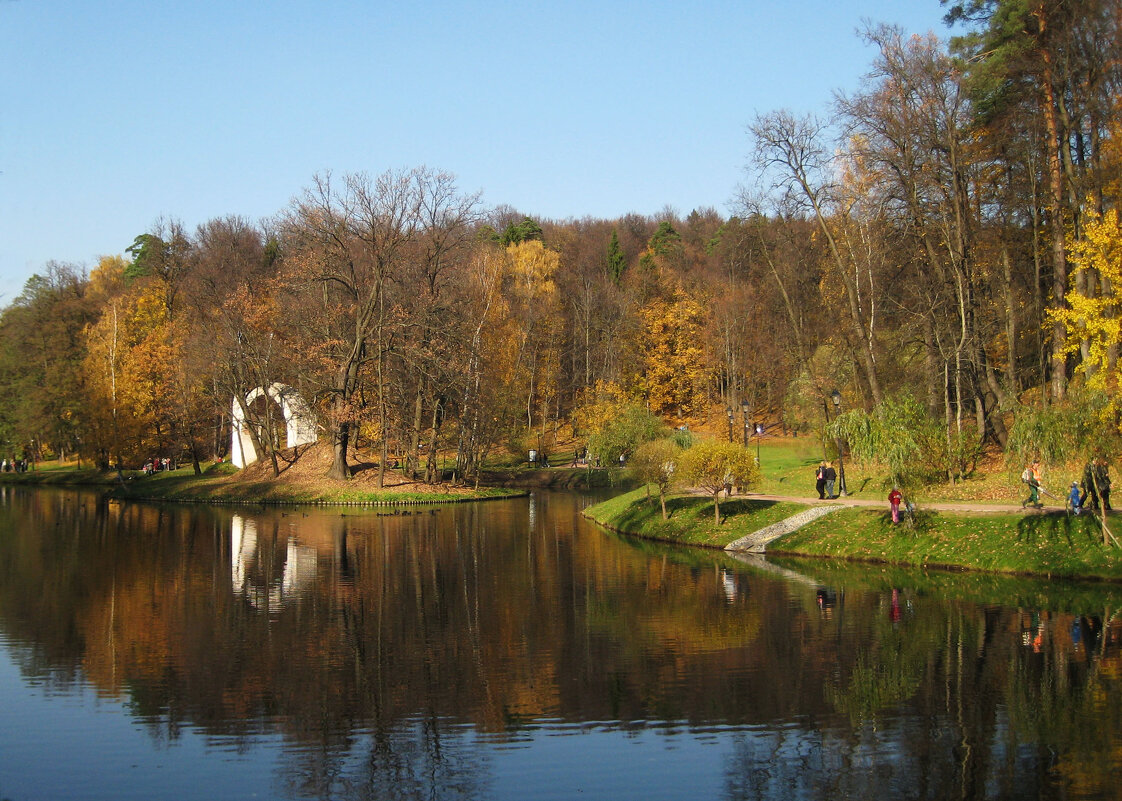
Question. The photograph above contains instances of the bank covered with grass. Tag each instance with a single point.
(690, 519)
(1051, 545)
(223, 484)
(1055, 544)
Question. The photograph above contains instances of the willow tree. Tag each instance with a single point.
(900, 436)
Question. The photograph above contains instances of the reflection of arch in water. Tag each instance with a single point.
(299, 572)
(300, 426)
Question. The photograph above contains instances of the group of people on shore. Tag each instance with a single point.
(14, 466)
(1091, 491)
(157, 465)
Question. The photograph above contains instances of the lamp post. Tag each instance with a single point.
(728, 411)
(744, 419)
(836, 397)
(759, 435)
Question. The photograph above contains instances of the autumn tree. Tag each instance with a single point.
(791, 153)
(1097, 320)
(42, 347)
(235, 332)
(345, 246)
(714, 466)
(674, 376)
(656, 462)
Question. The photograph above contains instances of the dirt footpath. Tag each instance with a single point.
(946, 506)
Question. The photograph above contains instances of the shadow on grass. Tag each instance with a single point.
(729, 506)
(689, 516)
(1058, 526)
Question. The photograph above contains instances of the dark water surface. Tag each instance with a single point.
(510, 650)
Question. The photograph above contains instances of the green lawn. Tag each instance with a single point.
(787, 466)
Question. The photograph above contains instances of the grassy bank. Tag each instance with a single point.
(222, 483)
(1054, 544)
(691, 517)
(55, 474)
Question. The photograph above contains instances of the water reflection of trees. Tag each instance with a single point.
(989, 701)
(372, 640)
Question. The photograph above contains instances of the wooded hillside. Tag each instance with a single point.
(947, 234)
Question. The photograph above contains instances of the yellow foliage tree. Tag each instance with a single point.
(531, 268)
(597, 405)
(1096, 320)
(673, 356)
(713, 466)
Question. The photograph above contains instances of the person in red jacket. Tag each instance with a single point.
(894, 499)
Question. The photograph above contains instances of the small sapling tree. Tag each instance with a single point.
(656, 462)
(713, 465)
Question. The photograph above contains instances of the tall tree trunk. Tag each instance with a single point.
(383, 421)
(1012, 378)
(340, 440)
(431, 465)
(414, 458)
(1056, 213)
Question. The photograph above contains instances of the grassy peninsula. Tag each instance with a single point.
(691, 517)
(1052, 544)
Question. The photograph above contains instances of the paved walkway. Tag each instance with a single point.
(757, 541)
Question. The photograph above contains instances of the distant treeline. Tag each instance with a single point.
(948, 233)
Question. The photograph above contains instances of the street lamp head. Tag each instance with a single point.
(836, 397)
(744, 407)
(728, 411)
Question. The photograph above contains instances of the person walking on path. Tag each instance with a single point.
(820, 480)
(1031, 476)
(1074, 497)
(894, 499)
(831, 477)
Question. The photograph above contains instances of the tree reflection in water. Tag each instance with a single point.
(401, 654)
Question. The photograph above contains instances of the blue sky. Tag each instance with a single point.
(114, 115)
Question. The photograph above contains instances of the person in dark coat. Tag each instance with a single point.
(1090, 499)
(820, 480)
(831, 477)
(1102, 482)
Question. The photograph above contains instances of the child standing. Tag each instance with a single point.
(1074, 497)
(894, 499)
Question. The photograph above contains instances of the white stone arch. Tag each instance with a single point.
(300, 425)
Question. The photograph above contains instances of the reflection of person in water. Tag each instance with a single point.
(1041, 629)
(827, 599)
(894, 610)
(1085, 633)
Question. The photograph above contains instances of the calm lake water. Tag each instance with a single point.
(511, 650)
